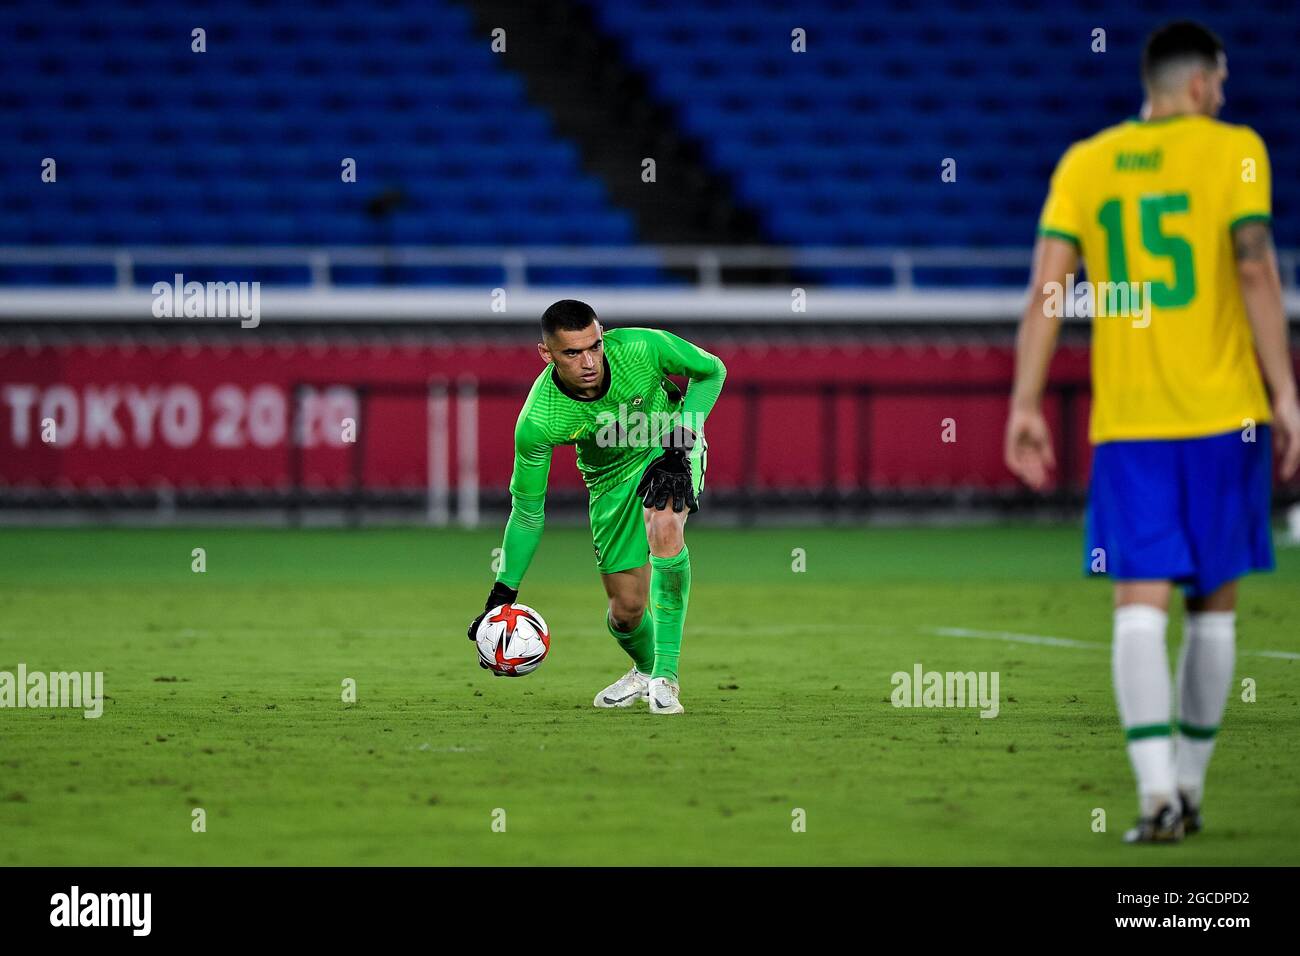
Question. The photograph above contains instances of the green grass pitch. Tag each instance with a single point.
(225, 693)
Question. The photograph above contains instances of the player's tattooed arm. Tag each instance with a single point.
(1253, 242)
(1028, 450)
(1261, 293)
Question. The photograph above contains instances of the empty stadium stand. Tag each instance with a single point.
(841, 145)
(243, 143)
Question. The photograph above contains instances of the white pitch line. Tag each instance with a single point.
(1009, 636)
(1068, 641)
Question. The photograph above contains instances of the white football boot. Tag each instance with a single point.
(663, 697)
(625, 691)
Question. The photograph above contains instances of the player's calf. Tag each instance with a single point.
(665, 532)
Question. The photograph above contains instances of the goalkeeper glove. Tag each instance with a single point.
(669, 475)
(500, 594)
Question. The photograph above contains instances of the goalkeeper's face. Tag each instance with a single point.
(578, 357)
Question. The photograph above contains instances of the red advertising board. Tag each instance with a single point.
(220, 416)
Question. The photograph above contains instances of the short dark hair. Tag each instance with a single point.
(569, 315)
(1177, 42)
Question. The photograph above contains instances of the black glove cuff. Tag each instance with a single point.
(501, 594)
(680, 438)
(673, 462)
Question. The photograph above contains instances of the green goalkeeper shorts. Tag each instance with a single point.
(618, 518)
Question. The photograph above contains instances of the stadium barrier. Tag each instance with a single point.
(836, 405)
(935, 285)
(831, 494)
(839, 425)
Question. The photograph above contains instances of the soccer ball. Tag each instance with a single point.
(512, 640)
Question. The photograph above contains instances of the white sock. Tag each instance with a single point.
(1144, 692)
(1204, 676)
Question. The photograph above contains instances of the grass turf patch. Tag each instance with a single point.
(224, 693)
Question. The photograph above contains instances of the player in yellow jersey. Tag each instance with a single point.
(1170, 213)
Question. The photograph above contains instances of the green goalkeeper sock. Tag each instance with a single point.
(639, 643)
(670, 593)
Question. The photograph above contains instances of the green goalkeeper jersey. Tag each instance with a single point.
(616, 434)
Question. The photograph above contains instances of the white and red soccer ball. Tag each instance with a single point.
(512, 640)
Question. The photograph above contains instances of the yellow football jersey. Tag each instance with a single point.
(1151, 206)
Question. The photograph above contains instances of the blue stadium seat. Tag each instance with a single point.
(839, 145)
(243, 144)
(885, 92)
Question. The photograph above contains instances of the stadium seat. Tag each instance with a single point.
(842, 144)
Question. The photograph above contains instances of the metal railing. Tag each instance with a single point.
(514, 263)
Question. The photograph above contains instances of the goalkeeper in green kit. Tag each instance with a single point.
(642, 455)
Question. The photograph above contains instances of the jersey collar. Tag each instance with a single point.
(604, 386)
(1162, 119)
